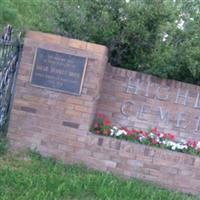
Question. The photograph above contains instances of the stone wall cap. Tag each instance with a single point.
(60, 40)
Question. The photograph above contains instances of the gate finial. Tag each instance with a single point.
(7, 33)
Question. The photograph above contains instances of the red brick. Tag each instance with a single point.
(43, 37)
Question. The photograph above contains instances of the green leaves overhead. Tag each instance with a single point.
(159, 37)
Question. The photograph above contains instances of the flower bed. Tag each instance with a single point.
(153, 137)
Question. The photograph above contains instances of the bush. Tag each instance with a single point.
(24, 15)
(159, 37)
(142, 35)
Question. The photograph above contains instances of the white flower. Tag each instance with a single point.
(183, 141)
(174, 145)
(124, 132)
(112, 132)
(161, 135)
(170, 144)
(141, 138)
(151, 135)
(179, 146)
(164, 142)
(121, 132)
(158, 140)
(173, 148)
(198, 145)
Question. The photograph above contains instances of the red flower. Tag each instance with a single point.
(96, 125)
(136, 137)
(106, 122)
(153, 141)
(164, 135)
(97, 132)
(158, 134)
(171, 136)
(145, 134)
(100, 115)
(134, 131)
(192, 143)
(128, 131)
(154, 130)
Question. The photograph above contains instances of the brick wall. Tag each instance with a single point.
(41, 117)
(57, 124)
(142, 101)
(169, 169)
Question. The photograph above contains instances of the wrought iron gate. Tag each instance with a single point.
(9, 56)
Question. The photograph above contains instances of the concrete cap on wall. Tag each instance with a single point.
(60, 40)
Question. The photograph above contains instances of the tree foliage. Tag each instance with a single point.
(25, 14)
(8, 14)
(159, 37)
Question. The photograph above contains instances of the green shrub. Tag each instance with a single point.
(133, 31)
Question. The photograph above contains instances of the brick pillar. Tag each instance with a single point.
(51, 121)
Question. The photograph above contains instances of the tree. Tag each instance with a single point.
(143, 35)
(178, 57)
(8, 14)
(159, 37)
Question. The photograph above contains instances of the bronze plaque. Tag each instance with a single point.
(58, 71)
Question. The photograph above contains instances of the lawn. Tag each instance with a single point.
(28, 176)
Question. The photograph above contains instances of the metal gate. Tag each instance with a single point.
(9, 56)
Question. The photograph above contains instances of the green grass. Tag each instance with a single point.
(28, 176)
(3, 146)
